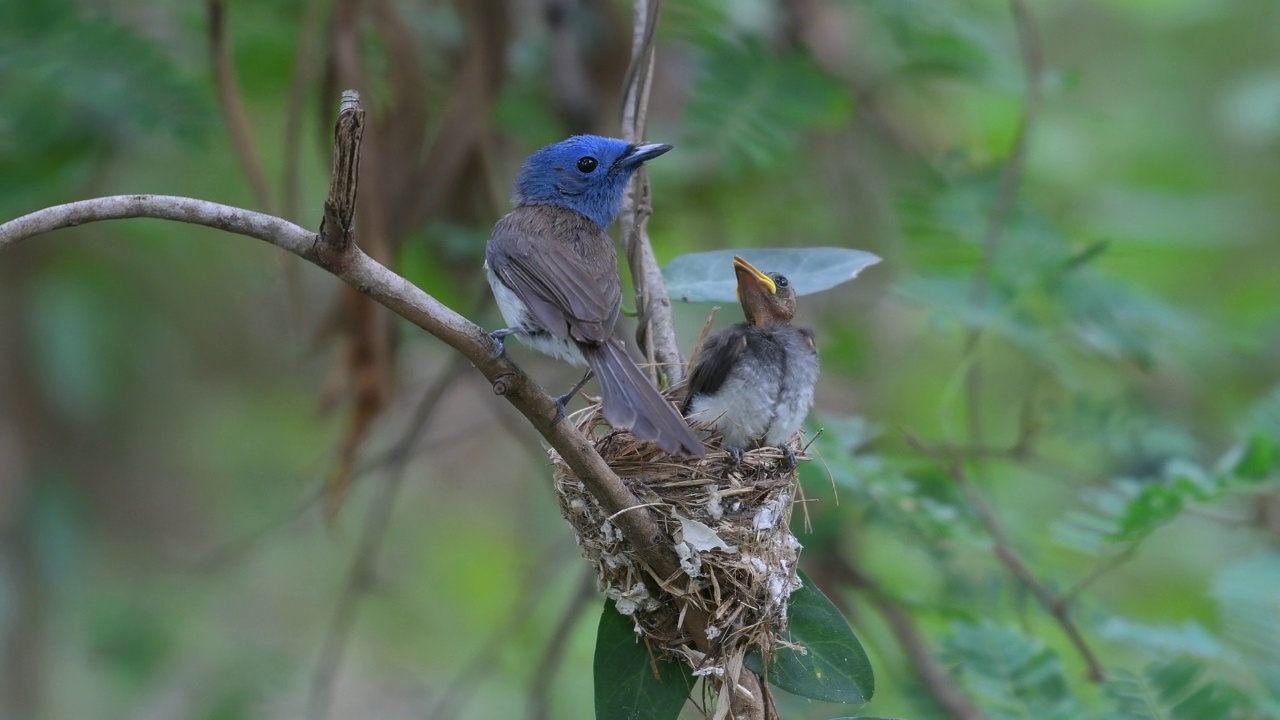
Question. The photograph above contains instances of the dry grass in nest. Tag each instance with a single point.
(731, 529)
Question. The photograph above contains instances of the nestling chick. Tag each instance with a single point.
(754, 381)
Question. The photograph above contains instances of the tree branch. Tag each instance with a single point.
(361, 575)
(306, 68)
(402, 297)
(1056, 607)
(1011, 177)
(655, 330)
(937, 681)
(351, 265)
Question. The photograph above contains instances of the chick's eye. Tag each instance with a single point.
(781, 281)
(587, 164)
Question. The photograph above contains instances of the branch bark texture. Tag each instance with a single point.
(373, 279)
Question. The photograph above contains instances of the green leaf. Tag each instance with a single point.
(1161, 640)
(938, 38)
(1257, 457)
(709, 276)
(1248, 595)
(1010, 674)
(1172, 690)
(834, 667)
(106, 77)
(751, 108)
(625, 686)
(1264, 415)
(1128, 510)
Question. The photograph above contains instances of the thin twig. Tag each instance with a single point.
(1010, 180)
(236, 118)
(233, 112)
(655, 329)
(935, 678)
(306, 68)
(531, 589)
(361, 575)
(351, 265)
(1096, 574)
(232, 551)
(1011, 177)
(553, 655)
(1059, 610)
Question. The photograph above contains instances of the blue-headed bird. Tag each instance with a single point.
(554, 274)
(754, 382)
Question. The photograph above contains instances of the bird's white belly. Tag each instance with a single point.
(763, 401)
(517, 316)
(795, 397)
(741, 411)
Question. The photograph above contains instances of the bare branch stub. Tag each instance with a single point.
(337, 229)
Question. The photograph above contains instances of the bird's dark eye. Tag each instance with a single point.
(587, 164)
(780, 281)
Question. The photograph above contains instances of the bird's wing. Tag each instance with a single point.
(809, 340)
(564, 268)
(716, 360)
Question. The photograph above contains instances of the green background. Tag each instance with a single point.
(161, 422)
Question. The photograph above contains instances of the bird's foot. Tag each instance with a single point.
(735, 454)
(560, 402)
(788, 456)
(500, 337)
(563, 400)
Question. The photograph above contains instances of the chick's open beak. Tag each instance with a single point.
(751, 280)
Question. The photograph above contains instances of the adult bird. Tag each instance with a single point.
(554, 273)
(754, 382)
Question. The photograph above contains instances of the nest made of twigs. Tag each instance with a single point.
(728, 523)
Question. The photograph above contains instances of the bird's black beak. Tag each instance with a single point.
(641, 153)
(751, 280)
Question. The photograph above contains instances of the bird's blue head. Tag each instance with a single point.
(587, 173)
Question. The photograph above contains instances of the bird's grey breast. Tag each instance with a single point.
(745, 403)
(799, 379)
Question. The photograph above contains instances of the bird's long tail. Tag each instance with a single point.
(630, 402)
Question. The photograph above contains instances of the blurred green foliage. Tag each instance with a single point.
(160, 385)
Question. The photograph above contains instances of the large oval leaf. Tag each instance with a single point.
(835, 668)
(708, 276)
(626, 688)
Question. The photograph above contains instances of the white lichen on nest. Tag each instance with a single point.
(730, 529)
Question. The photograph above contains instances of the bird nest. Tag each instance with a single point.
(729, 525)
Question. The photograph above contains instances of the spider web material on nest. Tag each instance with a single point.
(730, 526)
